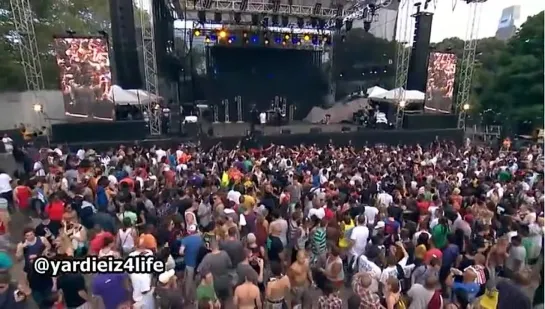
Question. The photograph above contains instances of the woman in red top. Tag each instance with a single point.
(55, 209)
(22, 195)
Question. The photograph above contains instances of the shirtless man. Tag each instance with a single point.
(247, 295)
(300, 279)
(276, 288)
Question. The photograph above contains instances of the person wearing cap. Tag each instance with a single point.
(190, 246)
(111, 288)
(168, 295)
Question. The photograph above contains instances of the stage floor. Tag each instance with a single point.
(295, 127)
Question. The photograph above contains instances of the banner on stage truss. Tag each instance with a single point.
(440, 83)
(85, 76)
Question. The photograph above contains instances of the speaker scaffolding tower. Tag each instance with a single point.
(404, 39)
(23, 21)
(151, 79)
(468, 61)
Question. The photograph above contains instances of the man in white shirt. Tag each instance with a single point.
(263, 118)
(370, 213)
(359, 237)
(384, 199)
(5, 188)
(8, 143)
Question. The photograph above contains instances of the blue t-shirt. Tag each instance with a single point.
(111, 288)
(470, 288)
(450, 254)
(192, 244)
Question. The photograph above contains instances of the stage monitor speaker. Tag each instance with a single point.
(315, 130)
(286, 131)
(346, 129)
(175, 121)
(127, 70)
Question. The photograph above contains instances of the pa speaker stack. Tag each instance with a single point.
(127, 68)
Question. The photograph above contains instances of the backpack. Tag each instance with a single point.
(403, 282)
(435, 301)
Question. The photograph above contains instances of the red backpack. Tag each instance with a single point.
(435, 301)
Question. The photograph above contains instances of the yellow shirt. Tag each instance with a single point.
(343, 242)
(489, 300)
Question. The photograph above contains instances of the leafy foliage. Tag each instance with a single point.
(52, 17)
(509, 82)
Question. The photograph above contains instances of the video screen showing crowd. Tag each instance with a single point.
(85, 75)
(440, 83)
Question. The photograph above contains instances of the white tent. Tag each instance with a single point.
(121, 96)
(376, 90)
(143, 96)
(390, 96)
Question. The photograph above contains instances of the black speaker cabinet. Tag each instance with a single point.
(315, 130)
(286, 131)
(127, 68)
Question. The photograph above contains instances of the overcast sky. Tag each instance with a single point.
(448, 23)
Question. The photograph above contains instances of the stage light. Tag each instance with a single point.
(466, 107)
(255, 39)
(197, 32)
(287, 37)
(298, 42)
(244, 34)
(402, 104)
(213, 38)
(222, 34)
(38, 108)
(266, 42)
(229, 41)
(207, 39)
(284, 43)
(246, 41)
(306, 37)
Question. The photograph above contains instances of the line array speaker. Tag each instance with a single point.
(127, 70)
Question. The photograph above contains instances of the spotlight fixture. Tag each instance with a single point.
(402, 104)
(306, 37)
(38, 108)
(287, 37)
(207, 39)
(466, 107)
(196, 32)
(222, 34)
(266, 41)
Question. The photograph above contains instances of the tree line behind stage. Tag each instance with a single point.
(508, 81)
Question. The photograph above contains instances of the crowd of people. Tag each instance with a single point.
(86, 80)
(419, 227)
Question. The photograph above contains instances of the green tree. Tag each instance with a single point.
(509, 81)
(52, 17)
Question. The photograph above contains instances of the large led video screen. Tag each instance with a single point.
(440, 84)
(85, 76)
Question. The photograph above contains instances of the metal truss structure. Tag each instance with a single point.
(260, 7)
(468, 61)
(403, 55)
(150, 67)
(28, 47)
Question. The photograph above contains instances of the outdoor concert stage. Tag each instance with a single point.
(104, 135)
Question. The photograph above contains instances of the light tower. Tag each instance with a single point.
(28, 48)
(468, 61)
(404, 39)
(151, 80)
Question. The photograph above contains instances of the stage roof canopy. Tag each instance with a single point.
(411, 96)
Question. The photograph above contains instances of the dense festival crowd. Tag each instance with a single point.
(419, 227)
